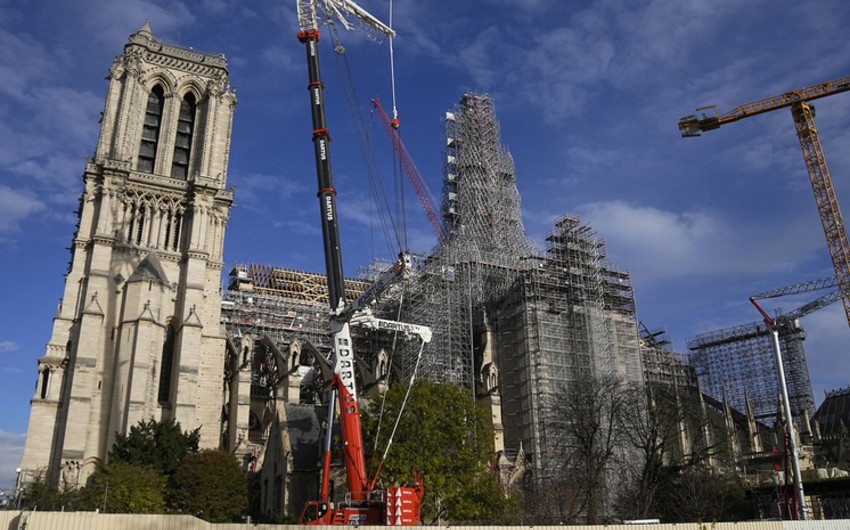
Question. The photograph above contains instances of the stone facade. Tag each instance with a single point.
(138, 334)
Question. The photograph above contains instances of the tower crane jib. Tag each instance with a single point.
(821, 181)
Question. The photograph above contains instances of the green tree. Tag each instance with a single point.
(159, 444)
(210, 485)
(39, 495)
(446, 437)
(120, 487)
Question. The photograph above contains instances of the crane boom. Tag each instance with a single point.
(830, 214)
(308, 15)
(801, 288)
(798, 288)
(811, 307)
(359, 508)
(344, 373)
(694, 125)
(803, 114)
(410, 169)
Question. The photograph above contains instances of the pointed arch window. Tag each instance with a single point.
(183, 141)
(150, 130)
(45, 382)
(166, 365)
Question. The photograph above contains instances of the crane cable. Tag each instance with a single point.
(398, 417)
(364, 141)
(389, 364)
(392, 67)
(397, 172)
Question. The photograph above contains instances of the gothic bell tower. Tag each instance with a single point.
(137, 334)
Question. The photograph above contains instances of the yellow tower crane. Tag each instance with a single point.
(803, 114)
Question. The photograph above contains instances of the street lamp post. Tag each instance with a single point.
(18, 488)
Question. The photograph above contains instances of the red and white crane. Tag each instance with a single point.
(399, 505)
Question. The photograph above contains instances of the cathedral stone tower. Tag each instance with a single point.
(137, 335)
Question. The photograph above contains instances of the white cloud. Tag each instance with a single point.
(22, 61)
(70, 114)
(659, 244)
(55, 170)
(15, 206)
(254, 189)
(111, 21)
(284, 57)
(827, 354)
(7, 346)
(11, 451)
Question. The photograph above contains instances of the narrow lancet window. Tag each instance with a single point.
(45, 380)
(150, 130)
(183, 141)
(167, 361)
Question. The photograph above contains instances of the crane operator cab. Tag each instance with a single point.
(314, 511)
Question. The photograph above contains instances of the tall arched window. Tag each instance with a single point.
(150, 130)
(183, 141)
(45, 381)
(167, 362)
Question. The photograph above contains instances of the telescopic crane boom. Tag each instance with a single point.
(399, 505)
(803, 114)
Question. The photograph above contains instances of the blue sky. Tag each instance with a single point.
(588, 95)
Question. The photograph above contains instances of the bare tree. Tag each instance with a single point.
(681, 455)
(587, 440)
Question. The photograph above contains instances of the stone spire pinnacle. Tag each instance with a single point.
(145, 29)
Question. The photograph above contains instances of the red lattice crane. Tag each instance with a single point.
(413, 175)
(803, 114)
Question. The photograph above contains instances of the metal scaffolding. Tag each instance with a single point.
(739, 363)
(662, 366)
(289, 308)
(569, 317)
(485, 250)
(514, 324)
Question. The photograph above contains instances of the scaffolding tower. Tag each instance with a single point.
(485, 250)
(739, 363)
(662, 366)
(569, 318)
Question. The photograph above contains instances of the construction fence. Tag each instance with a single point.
(17, 520)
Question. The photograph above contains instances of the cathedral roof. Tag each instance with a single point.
(834, 413)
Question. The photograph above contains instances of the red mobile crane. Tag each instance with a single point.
(395, 506)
